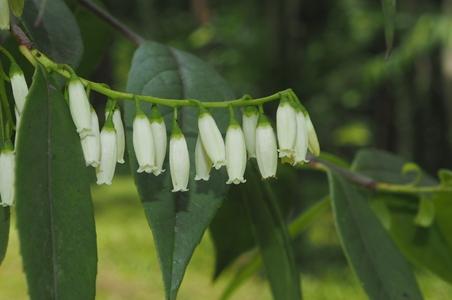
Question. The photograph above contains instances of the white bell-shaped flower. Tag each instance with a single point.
(19, 87)
(120, 135)
(4, 15)
(313, 141)
(235, 154)
(91, 143)
(286, 126)
(143, 144)
(203, 164)
(212, 139)
(106, 169)
(301, 143)
(158, 128)
(266, 149)
(179, 160)
(80, 107)
(7, 176)
(249, 123)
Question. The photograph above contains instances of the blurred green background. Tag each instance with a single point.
(333, 54)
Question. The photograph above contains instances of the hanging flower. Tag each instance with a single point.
(158, 128)
(120, 135)
(235, 154)
(19, 86)
(4, 15)
(202, 162)
(91, 143)
(313, 141)
(301, 143)
(143, 144)
(7, 176)
(179, 160)
(106, 169)
(286, 126)
(266, 149)
(212, 139)
(80, 107)
(249, 122)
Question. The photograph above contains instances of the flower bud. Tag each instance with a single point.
(212, 139)
(249, 123)
(266, 149)
(7, 177)
(4, 15)
(143, 144)
(301, 143)
(235, 154)
(120, 135)
(106, 169)
(313, 141)
(286, 126)
(19, 87)
(202, 162)
(80, 107)
(179, 160)
(91, 143)
(158, 128)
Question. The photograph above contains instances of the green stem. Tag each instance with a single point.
(118, 95)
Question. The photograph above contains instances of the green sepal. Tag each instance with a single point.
(250, 111)
(263, 120)
(14, 69)
(232, 119)
(203, 111)
(156, 116)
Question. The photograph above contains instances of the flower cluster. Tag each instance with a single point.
(295, 136)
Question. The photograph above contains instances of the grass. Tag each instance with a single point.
(128, 266)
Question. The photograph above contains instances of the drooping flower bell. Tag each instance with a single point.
(313, 141)
(249, 123)
(80, 107)
(4, 15)
(179, 160)
(235, 152)
(266, 149)
(19, 87)
(91, 143)
(143, 143)
(120, 135)
(7, 175)
(203, 164)
(106, 169)
(158, 128)
(211, 138)
(301, 143)
(286, 125)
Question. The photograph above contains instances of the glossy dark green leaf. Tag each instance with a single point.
(17, 7)
(272, 237)
(4, 231)
(54, 30)
(55, 216)
(430, 247)
(381, 268)
(389, 13)
(177, 220)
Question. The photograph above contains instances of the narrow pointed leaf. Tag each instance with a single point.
(17, 7)
(55, 216)
(380, 267)
(4, 231)
(177, 220)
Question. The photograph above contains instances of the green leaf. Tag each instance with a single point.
(389, 13)
(55, 216)
(4, 231)
(254, 263)
(177, 220)
(430, 247)
(17, 7)
(426, 212)
(54, 30)
(272, 237)
(380, 267)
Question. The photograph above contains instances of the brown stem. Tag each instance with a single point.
(108, 18)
